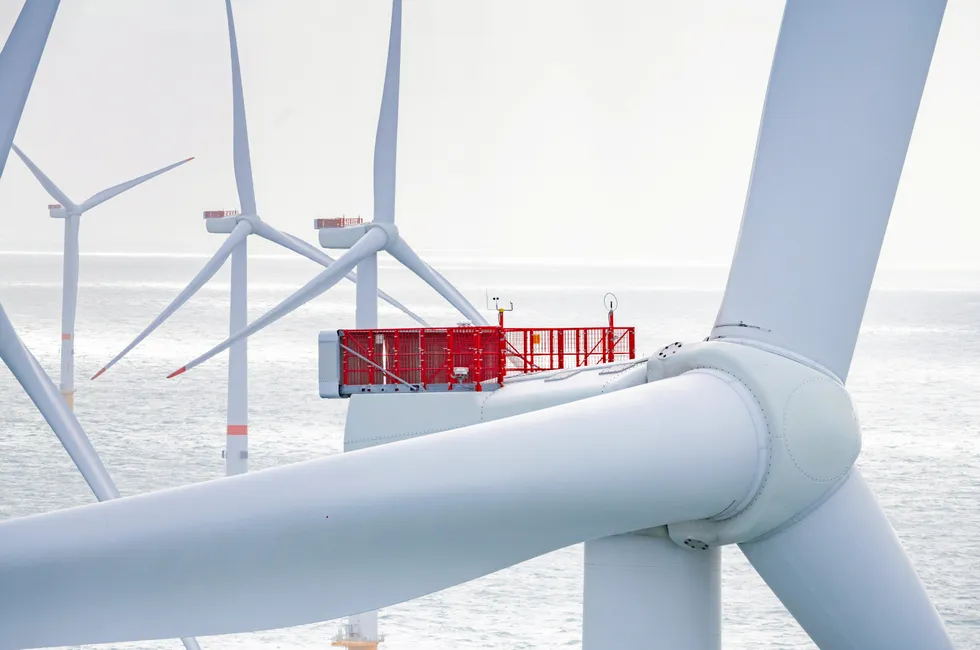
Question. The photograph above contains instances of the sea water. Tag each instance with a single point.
(915, 378)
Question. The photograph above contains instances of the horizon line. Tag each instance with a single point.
(476, 260)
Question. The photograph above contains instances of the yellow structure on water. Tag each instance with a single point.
(349, 636)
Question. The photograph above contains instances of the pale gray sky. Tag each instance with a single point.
(617, 129)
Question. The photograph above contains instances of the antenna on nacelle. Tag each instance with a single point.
(497, 308)
(611, 303)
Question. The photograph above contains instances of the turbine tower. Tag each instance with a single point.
(238, 225)
(19, 60)
(72, 212)
(365, 241)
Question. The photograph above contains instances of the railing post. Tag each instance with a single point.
(632, 339)
(343, 359)
(423, 379)
(501, 355)
(478, 359)
(392, 357)
(561, 348)
(551, 349)
(449, 356)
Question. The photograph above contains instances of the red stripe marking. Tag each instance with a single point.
(65, 337)
(237, 429)
(177, 372)
(96, 376)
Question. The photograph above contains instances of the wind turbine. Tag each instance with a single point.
(365, 241)
(238, 226)
(382, 228)
(71, 212)
(19, 60)
(747, 438)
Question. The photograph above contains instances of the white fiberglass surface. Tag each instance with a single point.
(915, 377)
(321, 543)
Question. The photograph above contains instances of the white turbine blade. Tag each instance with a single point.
(19, 59)
(320, 542)
(116, 190)
(371, 242)
(386, 140)
(243, 161)
(402, 252)
(402, 308)
(53, 190)
(241, 231)
(843, 95)
(311, 252)
(53, 407)
(842, 573)
(59, 417)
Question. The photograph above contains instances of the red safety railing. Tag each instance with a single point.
(220, 214)
(474, 356)
(337, 222)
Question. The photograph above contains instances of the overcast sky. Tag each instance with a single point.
(612, 129)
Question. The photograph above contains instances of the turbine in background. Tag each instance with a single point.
(72, 212)
(365, 241)
(19, 60)
(239, 225)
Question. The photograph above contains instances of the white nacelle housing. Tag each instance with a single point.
(377, 419)
(341, 238)
(328, 372)
(57, 211)
(221, 225)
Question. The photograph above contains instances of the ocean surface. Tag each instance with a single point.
(915, 378)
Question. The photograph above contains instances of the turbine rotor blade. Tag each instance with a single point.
(241, 231)
(116, 190)
(243, 161)
(53, 190)
(321, 543)
(53, 407)
(843, 94)
(59, 417)
(311, 252)
(19, 59)
(18, 63)
(402, 252)
(842, 573)
(372, 241)
(386, 140)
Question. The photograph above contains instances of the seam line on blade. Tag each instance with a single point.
(786, 354)
(758, 486)
(789, 449)
(792, 521)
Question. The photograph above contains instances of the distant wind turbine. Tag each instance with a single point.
(71, 212)
(364, 241)
(19, 60)
(238, 226)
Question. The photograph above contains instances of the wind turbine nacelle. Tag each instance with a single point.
(340, 233)
(57, 211)
(221, 222)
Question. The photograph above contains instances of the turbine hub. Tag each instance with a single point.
(809, 438)
(344, 237)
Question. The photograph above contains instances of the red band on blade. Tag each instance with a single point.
(96, 376)
(237, 429)
(177, 372)
(65, 337)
